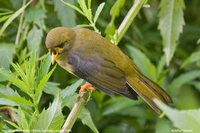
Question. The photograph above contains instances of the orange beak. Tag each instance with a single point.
(54, 57)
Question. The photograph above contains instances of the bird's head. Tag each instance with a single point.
(59, 40)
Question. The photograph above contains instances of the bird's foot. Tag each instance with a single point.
(87, 86)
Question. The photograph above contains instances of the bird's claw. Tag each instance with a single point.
(86, 87)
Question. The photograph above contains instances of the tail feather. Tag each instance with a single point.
(148, 90)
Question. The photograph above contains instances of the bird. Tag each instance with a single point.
(88, 55)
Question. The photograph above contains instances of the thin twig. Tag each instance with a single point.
(75, 112)
(20, 25)
(128, 20)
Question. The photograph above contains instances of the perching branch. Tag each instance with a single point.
(73, 115)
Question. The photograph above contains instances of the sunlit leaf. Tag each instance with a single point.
(171, 23)
(24, 122)
(98, 11)
(49, 116)
(186, 120)
(195, 56)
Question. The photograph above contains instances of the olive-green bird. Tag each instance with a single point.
(95, 59)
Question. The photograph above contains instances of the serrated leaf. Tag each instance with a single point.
(51, 88)
(195, 56)
(66, 15)
(15, 81)
(184, 78)
(87, 120)
(171, 23)
(24, 123)
(47, 116)
(42, 83)
(15, 15)
(98, 11)
(44, 67)
(187, 120)
(20, 100)
(142, 62)
(7, 91)
(34, 38)
(70, 90)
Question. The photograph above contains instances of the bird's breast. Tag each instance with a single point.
(66, 66)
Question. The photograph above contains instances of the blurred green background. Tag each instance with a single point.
(142, 42)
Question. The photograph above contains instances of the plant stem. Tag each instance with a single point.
(129, 19)
(20, 25)
(75, 112)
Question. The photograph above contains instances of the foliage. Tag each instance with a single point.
(37, 96)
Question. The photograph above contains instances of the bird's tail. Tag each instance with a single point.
(148, 91)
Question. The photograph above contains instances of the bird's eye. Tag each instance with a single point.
(62, 45)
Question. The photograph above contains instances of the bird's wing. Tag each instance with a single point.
(100, 72)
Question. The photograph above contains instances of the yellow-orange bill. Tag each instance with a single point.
(53, 57)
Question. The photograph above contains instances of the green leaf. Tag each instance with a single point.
(13, 124)
(98, 11)
(184, 78)
(194, 57)
(87, 120)
(163, 126)
(116, 8)
(70, 90)
(196, 84)
(4, 101)
(117, 104)
(186, 120)
(34, 38)
(83, 6)
(7, 91)
(36, 16)
(43, 68)
(73, 7)
(15, 15)
(15, 81)
(171, 23)
(49, 116)
(42, 83)
(24, 122)
(51, 88)
(66, 15)
(142, 62)
(7, 51)
(198, 41)
(20, 100)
